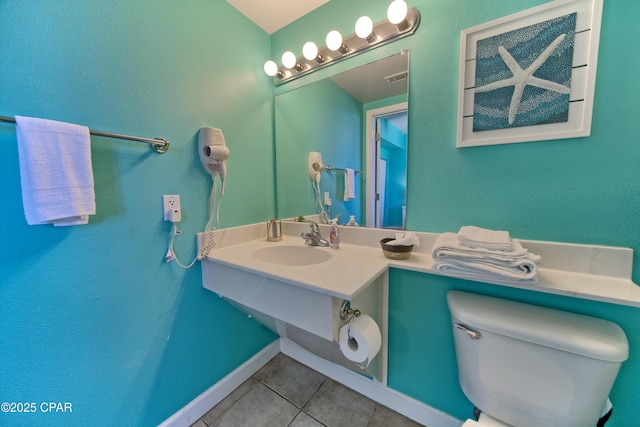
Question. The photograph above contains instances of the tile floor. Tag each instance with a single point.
(286, 393)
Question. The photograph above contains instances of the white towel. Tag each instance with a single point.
(455, 259)
(471, 235)
(405, 239)
(55, 172)
(349, 184)
(525, 273)
(447, 245)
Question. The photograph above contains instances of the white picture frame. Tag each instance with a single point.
(583, 74)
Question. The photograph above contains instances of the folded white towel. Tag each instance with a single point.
(525, 272)
(55, 171)
(481, 264)
(470, 235)
(448, 246)
(349, 184)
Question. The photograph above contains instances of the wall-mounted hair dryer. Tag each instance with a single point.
(213, 152)
(315, 166)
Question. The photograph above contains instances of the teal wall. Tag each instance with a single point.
(318, 117)
(91, 314)
(580, 190)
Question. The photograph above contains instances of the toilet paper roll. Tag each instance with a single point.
(362, 342)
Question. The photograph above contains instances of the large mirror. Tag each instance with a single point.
(340, 118)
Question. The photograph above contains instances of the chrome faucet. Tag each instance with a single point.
(313, 237)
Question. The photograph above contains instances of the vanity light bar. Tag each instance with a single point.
(382, 33)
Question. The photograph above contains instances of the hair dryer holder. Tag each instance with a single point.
(315, 166)
(213, 151)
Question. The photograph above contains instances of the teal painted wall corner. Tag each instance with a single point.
(128, 340)
(91, 315)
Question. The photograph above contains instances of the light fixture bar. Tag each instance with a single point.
(384, 31)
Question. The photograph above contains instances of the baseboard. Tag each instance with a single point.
(405, 405)
(214, 394)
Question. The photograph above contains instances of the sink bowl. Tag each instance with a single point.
(292, 255)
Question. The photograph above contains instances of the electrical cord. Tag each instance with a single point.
(324, 216)
(209, 242)
(172, 254)
(212, 204)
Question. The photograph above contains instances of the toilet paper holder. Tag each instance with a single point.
(346, 311)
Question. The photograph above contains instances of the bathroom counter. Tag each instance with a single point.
(349, 270)
(599, 273)
(561, 282)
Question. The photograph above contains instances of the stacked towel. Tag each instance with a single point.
(470, 235)
(349, 184)
(476, 261)
(55, 172)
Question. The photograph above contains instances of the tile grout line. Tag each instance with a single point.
(301, 407)
(373, 414)
(309, 399)
(232, 405)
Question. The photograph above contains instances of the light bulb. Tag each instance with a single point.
(334, 40)
(397, 11)
(289, 59)
(310, 51)
(364, 27)
(270, 68)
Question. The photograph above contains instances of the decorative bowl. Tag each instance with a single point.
(395, 251)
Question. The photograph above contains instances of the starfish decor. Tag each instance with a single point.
(522, 78)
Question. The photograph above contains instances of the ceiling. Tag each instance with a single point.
(370, 82)
(271, 15)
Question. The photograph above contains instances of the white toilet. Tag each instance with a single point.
(530, 366)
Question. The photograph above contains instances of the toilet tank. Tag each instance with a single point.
(531, 366)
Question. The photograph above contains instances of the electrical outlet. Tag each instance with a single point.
(171, 207)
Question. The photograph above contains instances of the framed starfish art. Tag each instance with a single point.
(529, 76)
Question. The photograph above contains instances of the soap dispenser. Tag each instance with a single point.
(334, 234)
